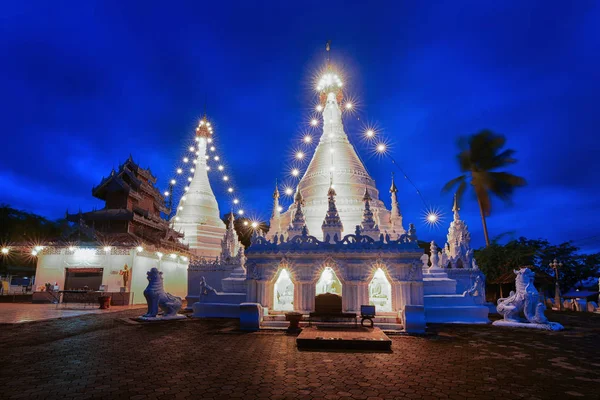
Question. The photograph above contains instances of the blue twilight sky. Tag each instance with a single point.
(86, 83)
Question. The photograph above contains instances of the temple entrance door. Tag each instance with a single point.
(329, 283)
(380, 291)
(283, 292)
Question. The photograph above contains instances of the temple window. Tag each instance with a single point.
(283, 292)
(329, 283)
(380, 291)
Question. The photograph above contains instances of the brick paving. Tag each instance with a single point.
(14, 313)
(108, 356)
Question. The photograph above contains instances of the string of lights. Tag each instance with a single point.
(203, 153)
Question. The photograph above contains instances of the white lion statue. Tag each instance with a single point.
(526, 299)
(157, 297)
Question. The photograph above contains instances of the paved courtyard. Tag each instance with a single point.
(16, 313)
(109, 356)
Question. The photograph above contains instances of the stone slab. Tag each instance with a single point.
(343, 339)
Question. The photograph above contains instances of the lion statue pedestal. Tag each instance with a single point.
(525, 300)
(156, 297)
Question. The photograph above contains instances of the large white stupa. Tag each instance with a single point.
(198, 215)
(335, 162)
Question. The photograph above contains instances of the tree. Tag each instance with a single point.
(21, 228)
(481, 155)
(496, 259)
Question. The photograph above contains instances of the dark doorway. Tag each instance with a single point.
(83, 278)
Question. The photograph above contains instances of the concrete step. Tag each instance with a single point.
(439, 286)
(457, 315)
(448, 300)
(384, 322)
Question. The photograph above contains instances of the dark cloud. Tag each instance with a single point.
(88, 83)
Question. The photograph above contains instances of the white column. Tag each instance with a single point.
(304, 296)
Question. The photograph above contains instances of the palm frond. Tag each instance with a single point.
(448, 186)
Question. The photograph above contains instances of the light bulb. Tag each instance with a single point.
(314, 122)
(299, 155)
(307, 139)
(185, 159)
(295, 172)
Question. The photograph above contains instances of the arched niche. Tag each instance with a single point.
(380, 291)
(283, 292)
(328, 282)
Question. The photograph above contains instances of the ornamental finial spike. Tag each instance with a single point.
(455, 207)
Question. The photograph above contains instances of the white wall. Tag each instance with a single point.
(52, 263)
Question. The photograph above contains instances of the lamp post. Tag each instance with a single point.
(556, 265)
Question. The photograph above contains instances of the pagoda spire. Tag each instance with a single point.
(458, 245)
(230, 244)
(275, 222)
(395, 214)
(455, 208)
(368, 225)
(332, 224)
(298, 222)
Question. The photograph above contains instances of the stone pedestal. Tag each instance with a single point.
(294, 318)
(250, 316)
(413, 319)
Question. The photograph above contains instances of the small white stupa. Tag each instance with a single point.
(198, 216)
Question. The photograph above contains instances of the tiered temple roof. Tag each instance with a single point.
(132, 212)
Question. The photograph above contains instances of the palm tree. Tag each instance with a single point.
(481, 155)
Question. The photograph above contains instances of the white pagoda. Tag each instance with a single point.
(198, 216)
(336, 159)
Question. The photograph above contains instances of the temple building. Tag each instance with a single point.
(198, 216)
(113, 248)
(337, 237)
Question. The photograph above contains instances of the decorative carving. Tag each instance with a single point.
(156, 297)
(477, 290)
(425, 261)
(435, 257)
(205, 288)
